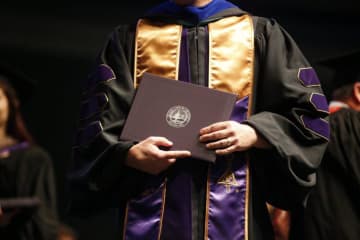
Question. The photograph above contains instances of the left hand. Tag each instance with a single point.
(230, 136)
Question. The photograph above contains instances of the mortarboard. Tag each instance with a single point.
(22, 84)
(345, 69)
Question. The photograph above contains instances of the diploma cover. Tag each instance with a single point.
(176, 110)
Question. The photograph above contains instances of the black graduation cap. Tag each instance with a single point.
(22, 84)
(345, 69)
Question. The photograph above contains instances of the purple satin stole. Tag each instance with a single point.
(227, 190)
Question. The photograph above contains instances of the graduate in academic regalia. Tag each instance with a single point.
(267, 152)
(333, 210)
(26, 171)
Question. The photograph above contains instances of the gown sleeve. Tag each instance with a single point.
(98, 153)
(290, 112)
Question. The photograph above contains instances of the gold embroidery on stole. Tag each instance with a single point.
(228, 179)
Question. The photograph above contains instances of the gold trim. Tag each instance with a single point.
(207, 204)
(231, 47)
(135, 54)
(247, 197)
(125, 220)
(250, 105)
(157, 49)
(210, 55)
(162, 209)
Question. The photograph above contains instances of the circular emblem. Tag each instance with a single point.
(178, 116)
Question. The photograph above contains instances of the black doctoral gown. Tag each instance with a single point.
(279, 95)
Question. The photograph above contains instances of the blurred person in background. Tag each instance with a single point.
(26, 171)
(333, 209)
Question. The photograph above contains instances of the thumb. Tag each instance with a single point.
(162, 141)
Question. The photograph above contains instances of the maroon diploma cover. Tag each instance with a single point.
(176, 110)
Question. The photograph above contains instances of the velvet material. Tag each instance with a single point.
(308, 77)
(191, 13)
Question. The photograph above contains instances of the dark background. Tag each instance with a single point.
(56, 43)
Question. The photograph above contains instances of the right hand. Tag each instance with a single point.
(147, 156)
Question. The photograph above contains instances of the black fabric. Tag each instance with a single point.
(345, 67)
(282, 175)
(333, 210)
(276, 116)
(23, 84)
(28, 172)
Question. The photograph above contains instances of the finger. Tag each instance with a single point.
(214, 136)
(224, 143)
(160, 141)
(226, 151)
(175, 154)
(213, 127)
